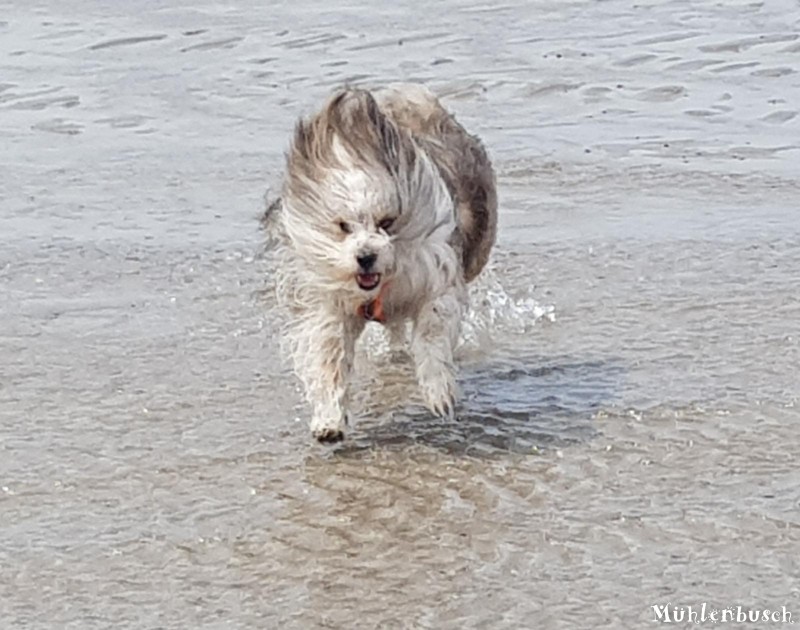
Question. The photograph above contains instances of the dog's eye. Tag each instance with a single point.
(344, 227)
(386, 224)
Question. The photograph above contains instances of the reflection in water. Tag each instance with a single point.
(504, 409)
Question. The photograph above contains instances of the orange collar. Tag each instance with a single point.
(373, 310)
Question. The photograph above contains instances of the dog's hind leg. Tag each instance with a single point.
(326, 372)
(434, 339)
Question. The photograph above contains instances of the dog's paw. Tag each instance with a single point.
(440, 395)
(328, 431)
(399, 356)
(328, 435)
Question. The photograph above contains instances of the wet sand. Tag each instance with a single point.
(156, 469)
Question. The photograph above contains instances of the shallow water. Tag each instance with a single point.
(156, 470)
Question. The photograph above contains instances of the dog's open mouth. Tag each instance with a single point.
(368, 281)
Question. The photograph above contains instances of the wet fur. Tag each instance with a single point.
(364, 158)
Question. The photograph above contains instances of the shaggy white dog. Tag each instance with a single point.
(388, 209)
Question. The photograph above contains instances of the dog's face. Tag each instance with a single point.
(344, 224)
(367, 253)
(364, 215)
(345, 209)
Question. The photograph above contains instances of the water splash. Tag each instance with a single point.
(493, 311)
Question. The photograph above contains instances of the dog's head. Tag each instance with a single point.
(352, 194)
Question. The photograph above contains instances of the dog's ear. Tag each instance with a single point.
(311, 143)
(366, 130)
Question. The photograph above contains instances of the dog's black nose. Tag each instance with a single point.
(365, 261)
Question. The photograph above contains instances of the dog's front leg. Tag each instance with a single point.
(397, 339)
(330, 362)
(433, 342)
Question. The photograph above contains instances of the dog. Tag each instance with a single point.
(388, 209)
